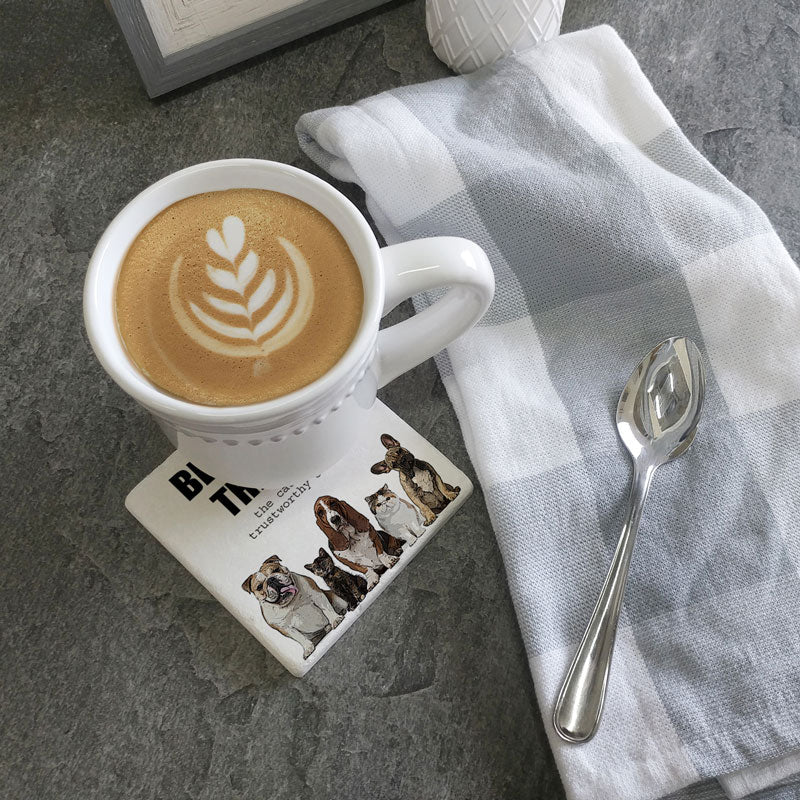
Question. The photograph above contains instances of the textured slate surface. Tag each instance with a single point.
(121, 677)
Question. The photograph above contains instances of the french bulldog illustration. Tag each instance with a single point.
(420, 481)
(395, 515)
(352, 589)
(293, 604)
(354, 541)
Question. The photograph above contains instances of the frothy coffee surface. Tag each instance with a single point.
(238, 296)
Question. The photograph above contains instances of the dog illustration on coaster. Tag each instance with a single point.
(420, 481)
(352, 589)
(294, 605)
(354, 541)
(395, 515)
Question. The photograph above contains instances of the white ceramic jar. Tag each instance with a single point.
(468, 34)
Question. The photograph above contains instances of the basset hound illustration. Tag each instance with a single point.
(354, 541)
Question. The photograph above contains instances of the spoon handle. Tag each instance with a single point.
(580, 701)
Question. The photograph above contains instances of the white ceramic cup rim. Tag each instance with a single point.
(99, 310)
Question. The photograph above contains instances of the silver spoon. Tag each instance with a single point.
(657, 417)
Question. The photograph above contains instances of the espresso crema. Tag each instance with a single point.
(238, 296)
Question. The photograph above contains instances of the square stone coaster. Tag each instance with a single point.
(297, 566)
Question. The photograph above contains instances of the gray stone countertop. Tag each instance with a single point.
(121, 676)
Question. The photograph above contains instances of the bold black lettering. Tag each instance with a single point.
(204, 476)
(221, 496)
(244, 494)
(188, 486)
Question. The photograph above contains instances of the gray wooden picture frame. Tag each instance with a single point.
(161, 74)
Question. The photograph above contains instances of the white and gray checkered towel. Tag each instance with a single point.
(609, 232)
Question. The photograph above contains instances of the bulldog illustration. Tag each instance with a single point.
(354, 541)
(420, 481)
(293, 604)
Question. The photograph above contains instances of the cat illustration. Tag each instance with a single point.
(395, 515)
(352, 589)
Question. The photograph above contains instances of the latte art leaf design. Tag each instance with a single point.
(230, 244)
(278, 325)
(263, 293)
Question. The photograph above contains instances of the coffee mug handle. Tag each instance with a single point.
(419, 266)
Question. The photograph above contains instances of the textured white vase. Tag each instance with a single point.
(467, 34)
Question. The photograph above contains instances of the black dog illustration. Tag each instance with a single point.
(420, 481)
(350, 588)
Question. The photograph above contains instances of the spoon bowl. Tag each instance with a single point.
(660, 406)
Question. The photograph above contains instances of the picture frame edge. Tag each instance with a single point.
(138, 35)
(161, 75)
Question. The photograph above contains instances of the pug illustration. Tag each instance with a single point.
(395, 515)
(420, 481)
(293, 604)
(354, 541)
(352, 589)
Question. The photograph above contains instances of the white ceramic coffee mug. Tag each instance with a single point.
(284, 440)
